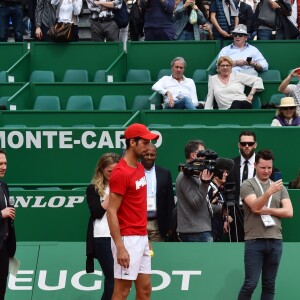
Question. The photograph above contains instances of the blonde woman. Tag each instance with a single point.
(98, 234)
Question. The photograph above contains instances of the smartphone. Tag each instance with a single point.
(248, 59)
(277, 176)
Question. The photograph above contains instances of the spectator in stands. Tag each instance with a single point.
(246, 15)
(184, 30)
(269, 17)
(159, 23)
(7, 229)
(98, 236)
(265, 203)
(292, 90)
(224, 17)
(206, 29)
(178, 91)
(45, 17)
(160, 197)
(67, 11)
(11, 10)
(286, 114)
(193, 211)
(103, 25)
(246, 58)
(295, 184)
(227, 88)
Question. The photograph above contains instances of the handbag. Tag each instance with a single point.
(62, 32)
(193, 18)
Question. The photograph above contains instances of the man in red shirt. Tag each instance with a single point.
(127, 217)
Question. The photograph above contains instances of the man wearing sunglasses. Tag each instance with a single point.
(246, 58)
(243, 169)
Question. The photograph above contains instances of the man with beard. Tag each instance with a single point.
(243, 169)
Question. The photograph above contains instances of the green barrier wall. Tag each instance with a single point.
(179, 271)
(84, 55)
(62, 215)
(67, 155)
(10, 53)
(158, 55)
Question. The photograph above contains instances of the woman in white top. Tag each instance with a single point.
(67, 11)
(227, 88)
(98, 242)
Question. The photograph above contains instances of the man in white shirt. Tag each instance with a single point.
(241, 52)
(178, 91)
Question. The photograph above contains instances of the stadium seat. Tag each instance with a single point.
(256, 102)
(3, 100)
(99, 76)
(76, 76)
(42, 76)
(270, 75)
(140, 75)
(154, 125)
(200, 75)
(13, 126)
(3, 76)
(47, 103)
(83, 126)
(141, 102)
(49, 188)
(164, 72)
(112, 102)
(275, 98)
(80, 102)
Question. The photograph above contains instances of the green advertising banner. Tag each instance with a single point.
(190, 271)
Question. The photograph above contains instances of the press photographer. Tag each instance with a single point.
(194, 212)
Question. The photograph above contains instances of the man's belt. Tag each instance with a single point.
(104, 19)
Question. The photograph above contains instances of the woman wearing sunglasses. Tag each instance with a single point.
(286, 114)
(227, 87)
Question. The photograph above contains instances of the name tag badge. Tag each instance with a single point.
(268, 220)
(151, 203)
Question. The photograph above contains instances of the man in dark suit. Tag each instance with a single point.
(160, 197)
(243, 169)
(246, 16)
(7, 231)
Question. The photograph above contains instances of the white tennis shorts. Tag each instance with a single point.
(140, 260)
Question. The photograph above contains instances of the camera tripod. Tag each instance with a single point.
(233, 208)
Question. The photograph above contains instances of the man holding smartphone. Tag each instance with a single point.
(246, 58)
(265, 203)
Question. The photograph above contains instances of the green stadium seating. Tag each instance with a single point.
(42, 76)
(3, 76)
(76, 76)
(136, 75)
(164, 72)
(200, 75)
(270, 75)
(80, 102)
(99, 76)
(275, 98)
(47, 103)
(141, 102)
(256, 102)
(112, 102)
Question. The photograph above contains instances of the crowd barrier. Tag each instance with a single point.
(53, 214)
(56, 271)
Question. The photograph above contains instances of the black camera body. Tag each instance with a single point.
(206, 160)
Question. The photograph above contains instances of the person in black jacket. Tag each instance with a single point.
(246, 15)
(98, 242)
(160, 197)
(7, 230)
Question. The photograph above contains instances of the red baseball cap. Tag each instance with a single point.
(139, 130)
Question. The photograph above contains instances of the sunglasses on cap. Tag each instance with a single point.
(238, 34)
(244, 144)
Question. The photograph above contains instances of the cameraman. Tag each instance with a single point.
(193, 212)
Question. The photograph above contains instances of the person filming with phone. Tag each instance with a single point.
(246, 58)
(265, 203)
